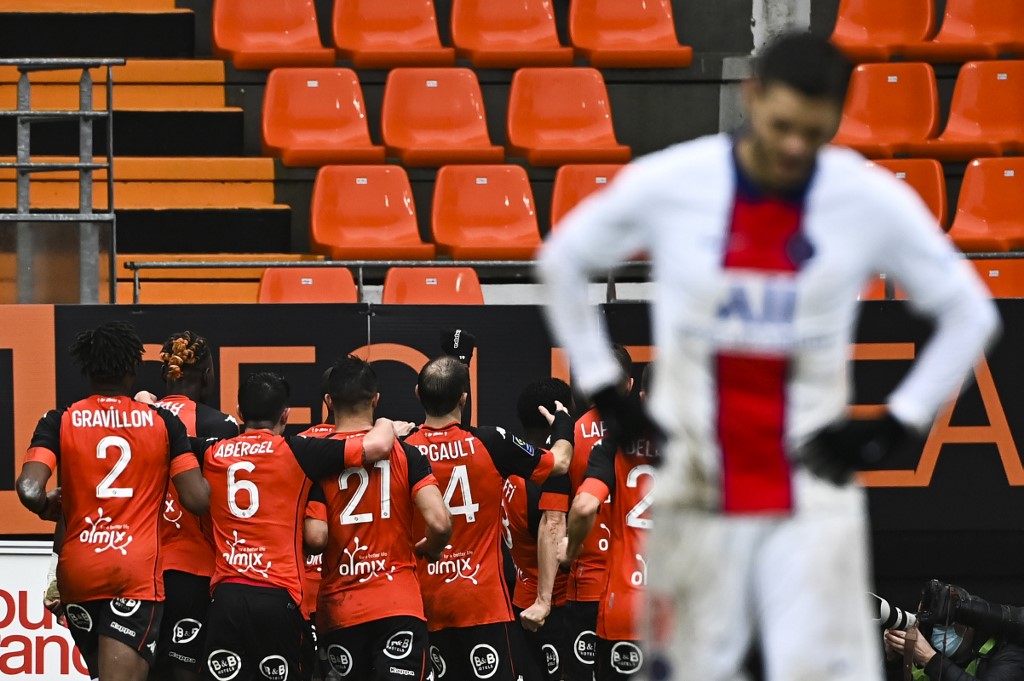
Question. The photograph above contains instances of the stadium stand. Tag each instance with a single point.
(508, 35)
(1004, 277)
(973, 29)
(989, 217)
(574, 182)
(434, 116)
(562, 115)
(926, 177)
(873, 30)
(366, 213)
(484, 213)
(627, 34)
(889, 106)
(264, 35)
(313, 117)
(379, 35)
(432, 286)
(307, 285)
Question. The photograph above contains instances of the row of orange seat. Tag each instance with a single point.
(402, 286)
(893, 109)
(479, 212)
(877, 30)
(435, 116)
(380, 34)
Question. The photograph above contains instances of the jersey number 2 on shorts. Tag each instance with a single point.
(104, 489)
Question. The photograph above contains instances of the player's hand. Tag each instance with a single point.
(562, 425)
(849, 445)
(625, 418)
(897, 640)
(403, 428)
(145, 397)
(52, 602)
(533, 618)
(459, 344)
(564, 559)
(421, 550)
(52, 509)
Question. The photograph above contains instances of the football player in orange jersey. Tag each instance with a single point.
(370, 613)
(465, 596)
(626, 477)
(114, 456)
(188, 374)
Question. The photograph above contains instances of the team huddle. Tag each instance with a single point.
(363, 548)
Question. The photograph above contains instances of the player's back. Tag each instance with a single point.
(258, 493)
(369, 565)
(466, 587)
(588, 573)
(114, 471)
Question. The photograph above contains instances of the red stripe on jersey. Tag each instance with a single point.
(764, 236)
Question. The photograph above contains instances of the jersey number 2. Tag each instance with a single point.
(104, 490)
(633, 518)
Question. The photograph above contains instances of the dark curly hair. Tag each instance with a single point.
(182, 351)
(109, 352)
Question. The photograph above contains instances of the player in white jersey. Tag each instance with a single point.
(759, 244)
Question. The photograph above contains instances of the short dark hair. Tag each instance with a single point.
(110, 352)
(645, 378)
(441, 383)
(543, 392)
(351, 383)
(625, 363)
(809, 64)
(262, 397)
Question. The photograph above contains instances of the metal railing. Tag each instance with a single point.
(88, 219)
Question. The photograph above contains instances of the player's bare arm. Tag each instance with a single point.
(582, 517)
(314, 536)
(549, 536)
(32, 491)
(377, 443)
(193, 490)
(438, 522)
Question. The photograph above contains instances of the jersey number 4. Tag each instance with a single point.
(460, 481)
(106, 489)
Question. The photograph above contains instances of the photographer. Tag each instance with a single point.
(946, 650)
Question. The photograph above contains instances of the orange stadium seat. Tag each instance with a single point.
(313, 117)
(307, 285)
(986, 117)
(263, 34)
(562, 115)
(887, 107)
(502, 35)
(366, 213)
(382, 34)
(926, 177)
(1004, 278)
(435, 116)
(573, 183)
(870, 30)
(432, 286)
(485, 212)
(989, 214)
(973, 29)
(627, 34)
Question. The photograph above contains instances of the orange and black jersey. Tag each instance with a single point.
(466, 587)
(115, 458)
(523, 504)
(184, 547)
(587, 574)
(259, 484)
(316, 510)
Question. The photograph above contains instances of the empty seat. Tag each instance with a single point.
(432, 286)
(627, 34)
(307, 285)
(435, 116)
(502, 35)
(870, 30)
(986, 117)
(382, 34)
(989, 213)
(263, 34)
(573, 183)
(1004, 277)
(365, 213)
(887, 107)
(562, 115)
(926, 177)
(485, 212)
(313, 117)
(973, 29)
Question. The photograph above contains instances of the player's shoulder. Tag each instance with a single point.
(700, 155)
(843, 169)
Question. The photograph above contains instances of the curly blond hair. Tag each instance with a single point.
(181, 351)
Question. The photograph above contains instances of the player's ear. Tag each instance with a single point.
(284, 416)
(416, 390)
(629, 385)
(329, 402)
(462, 400)
(375, 401)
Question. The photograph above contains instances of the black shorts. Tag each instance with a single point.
(388, 649)
(544, 649)
(133, 622)
(618, 660)
(581, 625)
(481, 652)
(309, 650)
(182, 636)
(253, 632)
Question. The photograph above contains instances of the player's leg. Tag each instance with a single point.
(619, 660)
(82, 625)
(276, 630)
(581, 639)
(222, 658)
(310, 652)
(811, 584)
(127, 630)
(399, 648)
(182, 635)
(349, 652)
(700, 595)
(528, 652)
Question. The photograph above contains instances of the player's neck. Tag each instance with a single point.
(189, 389)
(353, 423)
(454, 416)
(110, 389)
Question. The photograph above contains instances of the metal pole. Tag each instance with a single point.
(110, 183)
(88, 232)
(136, 293)
(25, 248)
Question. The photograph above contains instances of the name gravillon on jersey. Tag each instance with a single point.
(112, 417)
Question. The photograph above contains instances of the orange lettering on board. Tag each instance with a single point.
(231, 359)
(560, 359)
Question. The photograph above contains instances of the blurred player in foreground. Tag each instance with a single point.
(760, 244)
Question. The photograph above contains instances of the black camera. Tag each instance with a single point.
(891, 616)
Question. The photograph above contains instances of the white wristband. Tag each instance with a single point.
(51, 574)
